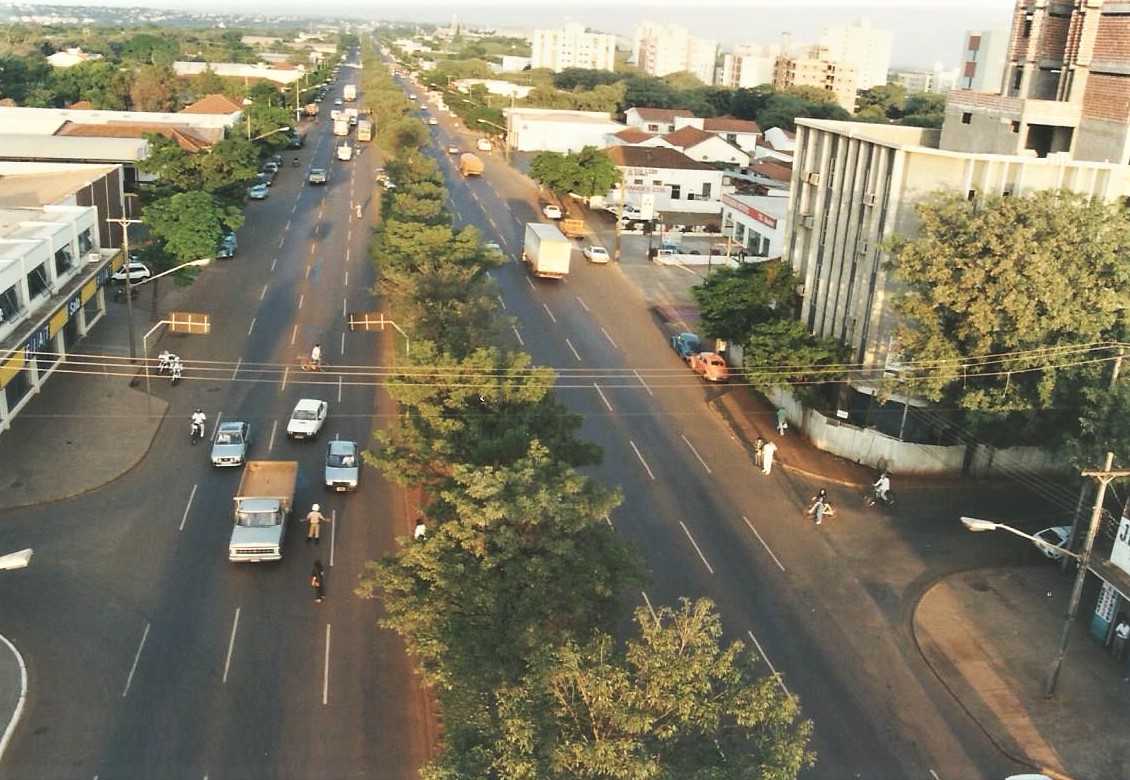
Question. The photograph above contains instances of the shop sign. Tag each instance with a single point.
(1120, 553)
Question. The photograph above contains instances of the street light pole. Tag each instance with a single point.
(1104, 477)
(125, 222)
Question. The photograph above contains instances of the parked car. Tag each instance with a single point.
(258, 192)
(271, 166)
(595, 253)
(266, 177)
(551, 211)
(228, 244)
(276, 158)
(710, 366)
(453, 148)
(317, 176)
(136, 271)
(343, 465)
(483, 144)
(307, 419)
(229, 448)
(686, 344)
(493, 246)
(1057, 537)
(433, 121)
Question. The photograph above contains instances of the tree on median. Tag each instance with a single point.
(586, 173)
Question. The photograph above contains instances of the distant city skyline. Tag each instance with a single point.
(925, 33)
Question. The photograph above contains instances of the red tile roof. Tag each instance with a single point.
(654, 157)
(772, 169)
(727, 124)
(686, 137)
(662, 114)
(633, 135)
(185, 137)
(213, 104)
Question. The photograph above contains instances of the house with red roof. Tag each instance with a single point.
(705, 147)
(665, 181)
(655, 121)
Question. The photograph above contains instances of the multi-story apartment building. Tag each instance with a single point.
(860, 45)
(814, 68)
(663, 49)
(573, 46)
(983, 59)
(748, 66)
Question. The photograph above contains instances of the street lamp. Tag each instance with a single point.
(976, 524)
(264, 135)
(16, 560)
(505, 138)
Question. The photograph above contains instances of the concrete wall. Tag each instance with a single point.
(879, 451)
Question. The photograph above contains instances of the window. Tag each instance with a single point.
(1014, 127)
(1026, 28)
(64, 260)
(705, 195)
(966, 117)
(653, 128)
(37, 281)
(676, 192)
(9, 304)
(85, 242)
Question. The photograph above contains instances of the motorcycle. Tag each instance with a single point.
(196, 433)
(175, 372)
(120, 294)
(875, 497)
(165, 363)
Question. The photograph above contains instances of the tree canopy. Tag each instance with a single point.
(1009, 300)
(585, 173)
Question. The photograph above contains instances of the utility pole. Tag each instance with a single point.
(619, 225)
(125, 222)
(1117, 368)
(1104, 477)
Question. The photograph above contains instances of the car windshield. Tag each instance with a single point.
(229, 438)
(304, 414)
(257, 519)
(341, 461)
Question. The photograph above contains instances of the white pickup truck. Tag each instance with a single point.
(345, 153)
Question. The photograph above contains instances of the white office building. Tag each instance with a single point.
(573, 46)
(862, 46)
(983, 60)
(663, 49)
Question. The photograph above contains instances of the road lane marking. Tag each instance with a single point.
(705, 562)
(274, 263)
(700, 460)
(644, 462)
(271, 442)
(263, 294)
(238, 363)
(308, 268)
(340, 387)
(518, 336)
(136, 658)
(547, 311)
(347, 278)
(583, 306)
(645, 387)
(333, 535)
(647, 601)
(231, 645)
(294, 334)
(780, 565)
(601, 393)
(188, 506)
(530, 282)
(610, 339)
(501, 302)
(342, 343)
(286, 374)
(764, 657)
(216, 425)
(326, 676)
(301, 300)
(251, 327)
(573, 349)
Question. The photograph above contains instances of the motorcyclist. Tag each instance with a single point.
(883, 487)
(166, 363)
(819, 505)
(198, 420)
(176, 368)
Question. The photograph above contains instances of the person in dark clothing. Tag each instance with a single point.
(318, 581)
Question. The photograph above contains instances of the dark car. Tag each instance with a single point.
(686, 344)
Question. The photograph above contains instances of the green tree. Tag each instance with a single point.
(588, 172)
(103, 83)
(1002, 291)
(888, 100)
(674, 703)
(517, 558)
(925, 109)
(154, 88)
(783, 352)
(572, 79)
(734, 302)
(781, 108)
(189, 224)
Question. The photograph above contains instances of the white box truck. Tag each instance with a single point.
(345, 152)
(262, 506)
(350, 92)
(341, 124)
(546, 250)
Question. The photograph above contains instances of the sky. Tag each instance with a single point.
(925, 31)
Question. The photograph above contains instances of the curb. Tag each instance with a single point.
(18, 711)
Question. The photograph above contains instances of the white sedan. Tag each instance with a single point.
(137, 272)
(1055, 540)
(595, 253)
(551, 211)
(307, 419)
(258, 192)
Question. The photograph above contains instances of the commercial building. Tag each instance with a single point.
(573, 46)
(667, 181)
(551, 130)
(663, 49)
(56, 255)
(756, 223)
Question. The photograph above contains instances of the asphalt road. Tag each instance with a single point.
(155, 656)
(709, 524)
